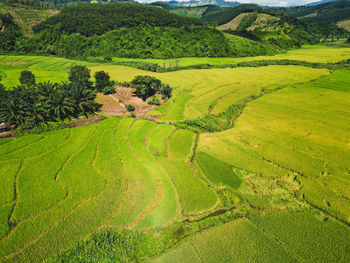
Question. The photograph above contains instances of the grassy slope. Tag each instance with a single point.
(237, 241)
(325, 13)
(286, 145)
(195, 90)
(293, 130)
(234, 23)
(56, 69)
(344, 24)
(285, 237)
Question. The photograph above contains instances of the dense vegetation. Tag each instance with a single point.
(147, 86)
(138, 31)
(89, 20)
(331, 12)
(222, 15)
(138, 42)
(31, 105)
(131, 30)
(11, 32)
(285, 31)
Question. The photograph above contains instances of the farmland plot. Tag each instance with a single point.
(274, 187)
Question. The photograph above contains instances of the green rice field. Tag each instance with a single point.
(273, 187)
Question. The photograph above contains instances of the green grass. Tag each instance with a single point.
(196, 90)
(167, 202)
(44, 68)
(321, 54)
(157, 136)
(8, 172)
(237, 241)
(142, 186)
(218, 172)
(308, 235)
(194, 195)
(300, 130)
(287, 150)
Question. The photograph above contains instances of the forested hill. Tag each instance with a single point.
(133, 30)
(331, 12)
(88, 20)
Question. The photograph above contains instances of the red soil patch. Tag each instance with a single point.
(114, 104)
(12, 63)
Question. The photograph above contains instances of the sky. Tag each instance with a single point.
(260, 2)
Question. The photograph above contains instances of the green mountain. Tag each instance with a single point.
(134, 31)
(331, 12)
(281, 30)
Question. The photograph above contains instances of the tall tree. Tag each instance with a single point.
(27, 78)
(80, 75)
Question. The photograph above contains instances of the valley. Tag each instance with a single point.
(165, 138)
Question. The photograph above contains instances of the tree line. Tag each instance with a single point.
(138, 42)
(31, 103)
(98, 19)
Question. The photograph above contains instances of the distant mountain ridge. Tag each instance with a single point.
(319, 2)
(204, 2)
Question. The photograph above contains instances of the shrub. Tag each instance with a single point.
(130, 107)
(107, 59)
(166, 91)
(146, 86)
(108, 90)
(154, 101)
(124, 84)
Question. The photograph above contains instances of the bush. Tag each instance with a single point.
(130, 107)
(124, 84)
(166, 91)
(27, 78)
(154, 101)
(107, 59)
(146, 86)
(108, 90)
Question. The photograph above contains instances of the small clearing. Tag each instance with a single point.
(114, 104)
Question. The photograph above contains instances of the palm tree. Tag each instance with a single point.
(64, 86)
(83, 99)
(37, 112)
(45, 89)
(11, 112)
(61, 106)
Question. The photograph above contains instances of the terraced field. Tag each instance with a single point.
(288, 152)
(319, 54)
(74, 181)
(198, 92)
(274, 187)
(44, 68)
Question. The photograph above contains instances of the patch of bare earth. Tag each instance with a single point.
(11, 63)
(114, 104)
